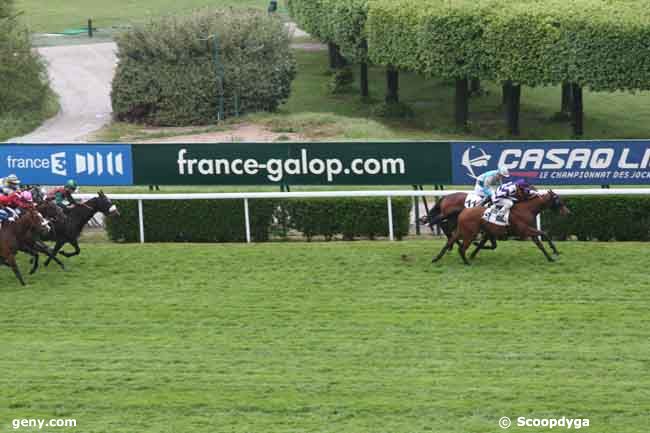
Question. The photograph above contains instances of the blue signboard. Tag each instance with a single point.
(90, 164)
(555, 163)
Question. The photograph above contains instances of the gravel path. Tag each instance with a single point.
(81, 75)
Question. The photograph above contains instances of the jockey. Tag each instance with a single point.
(11, 205)
(9, 184)
(63, 194)
(507, 195)
(487, 183)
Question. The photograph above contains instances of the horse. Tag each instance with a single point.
(12, 234)
(522, 220)
(68, 229)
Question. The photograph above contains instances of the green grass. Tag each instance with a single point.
(57, 15)
(15, 124)
(328, 337)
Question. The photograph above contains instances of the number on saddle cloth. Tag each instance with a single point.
(473, 200)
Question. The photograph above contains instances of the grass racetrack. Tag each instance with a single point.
(328, 337)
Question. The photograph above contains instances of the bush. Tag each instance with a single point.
(168, 73)
(602, 218)
(349, 217)
(395, 110)
(23, 80)
(223, 220)
(191, 221)
(340, 80)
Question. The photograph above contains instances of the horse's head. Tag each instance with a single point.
(51, 211)
(556, 203)
(33, 222)
(105, 205)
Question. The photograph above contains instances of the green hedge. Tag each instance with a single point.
(349, 217)
(191, 221)
(603, 218)
(167, 73)
(223, 220)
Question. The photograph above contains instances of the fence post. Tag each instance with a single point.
(247, 222)
(539, 221)
(390, 218)
(140, 221)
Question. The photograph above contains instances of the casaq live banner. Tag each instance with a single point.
(555, 162)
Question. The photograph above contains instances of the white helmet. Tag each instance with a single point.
(503, 171)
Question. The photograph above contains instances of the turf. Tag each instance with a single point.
(328, 337)
(58, 15)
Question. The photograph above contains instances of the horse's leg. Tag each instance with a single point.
(551, 244)
(76, 252)
(35, 265)
(447, 247)
(537, 236)
(540, 245)
(11, 262)
(55, 251)
(479, 247)
(42, 248)
(467, 240)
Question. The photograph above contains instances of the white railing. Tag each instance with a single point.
(314, 194)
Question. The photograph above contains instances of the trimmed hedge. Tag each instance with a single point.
(223, 220)
(349, 217)
(191, 221)
(602, 218)
(167, 74)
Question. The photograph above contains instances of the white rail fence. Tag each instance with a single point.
(246, 196)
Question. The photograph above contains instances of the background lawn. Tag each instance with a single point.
(57, 15)
(328, 337)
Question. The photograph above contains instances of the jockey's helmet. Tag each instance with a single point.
(503, 171)
(71, 185)
(12, 180)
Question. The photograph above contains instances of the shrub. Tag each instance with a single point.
(168, 72)
(398, 110)
(603, 218)
(340, 80)
(223, 220)
(23, 79)
(191, 221)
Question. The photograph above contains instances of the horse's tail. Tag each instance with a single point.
(434, 216)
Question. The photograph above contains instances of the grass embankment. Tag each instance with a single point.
(336, 337)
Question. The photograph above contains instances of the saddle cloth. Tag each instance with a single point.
(472, 200)
(490, 215)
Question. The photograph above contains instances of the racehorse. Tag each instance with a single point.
(13, 234)
(68, 229)
(522, 220)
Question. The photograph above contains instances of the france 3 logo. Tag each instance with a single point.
(90, 165)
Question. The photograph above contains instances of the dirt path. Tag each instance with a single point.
(81, 75)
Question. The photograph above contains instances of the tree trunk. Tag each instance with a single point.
(566, 98)
(331, 51)
(505, 89)
(577, 115)
(462, 103)
(363, 78)
(392, 82)
(475, 87)
(512, 109)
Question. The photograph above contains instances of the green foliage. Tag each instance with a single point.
(23, 80)
(223, 220)
(191, 221)
(603, 218)
(397, 110)
(168, 75)
(350, 217)
(340, 80)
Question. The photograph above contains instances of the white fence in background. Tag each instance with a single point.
(314, 194)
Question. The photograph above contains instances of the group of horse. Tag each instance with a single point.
(48, 222)
(467, 223)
